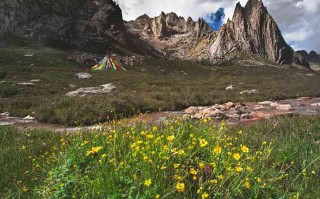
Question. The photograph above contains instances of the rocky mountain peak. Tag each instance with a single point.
(253, 30)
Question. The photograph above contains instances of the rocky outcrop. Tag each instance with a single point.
(312, 56)
(175, 36)
(253, 30)
(90, 25)
(103, 89)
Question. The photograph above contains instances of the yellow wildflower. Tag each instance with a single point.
(245, 149)
(148, 182)
(170, 138)
(94, 150)
(155, 128)
(236, 156)
(214, 181)
(176, 166)
(249, 169)
(217, 149)
(239, 169)
(180, 187)
(259, 180)
(203, 143)
(157, 196)
(247, 185)
(193, 171)
(201, 165)
(204, 195)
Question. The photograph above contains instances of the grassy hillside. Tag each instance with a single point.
(278, 158)
(151, 86)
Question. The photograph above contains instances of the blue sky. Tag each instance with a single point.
(298, 19)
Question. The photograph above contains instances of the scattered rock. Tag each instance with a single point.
(284, 107)
(230, 88)
(28, 55)
(249, 92)
(29, 118)
(265, 103)
(229, 105)
(310, 75)
(303, 99)
(72, 86)
(84, 75)
(26, 84)
(274, 104)
(246, 116)
(191, 110)
(258, 107)
(316, 104)
(103, 89)
(35, 80)
(5, 114)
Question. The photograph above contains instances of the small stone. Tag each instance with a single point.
(29, 118)
(191, 110)
(285, 107)
(26, 84)
(229, 105)
(103, 89)
(84, 75)
(230, 88)
(265, 103)
(258, 107)
(249, 92)
(5, 114)
(35, 80)
(303, 99)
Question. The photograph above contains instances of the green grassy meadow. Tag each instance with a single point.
(278, 158)
(151, 86)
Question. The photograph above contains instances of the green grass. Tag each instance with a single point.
(288, 164)
(19, 150)
(164, 85)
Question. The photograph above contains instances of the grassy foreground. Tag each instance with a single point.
(278, 158)
(152, 85)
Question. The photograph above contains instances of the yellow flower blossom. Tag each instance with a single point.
(236, 156)
(180, 187)
(247, 185)
(245, 149)
(148, 182)
(155, 128)
(259, 180)
(203, 143)
(249, 169)
(239, 169)
(214, 181)
(217, 149)
(205, 195)
(157, 196)
(201, 165)
(94, 150)
(193, 171)
(170, 138)
(176, 166)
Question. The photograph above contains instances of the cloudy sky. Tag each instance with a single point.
(299, 20)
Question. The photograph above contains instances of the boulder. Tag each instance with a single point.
(284, 107)
(5, 114)
(265, 103)
(249, 92)
(29, 118)
(103, 89)
(258, 107)
(191, 110)
(84, 75)
(230, 88)
(26, 84)
(316, 104)
(303, 99)
(246, 116)
(229, 105)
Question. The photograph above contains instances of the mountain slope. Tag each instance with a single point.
(253, 30)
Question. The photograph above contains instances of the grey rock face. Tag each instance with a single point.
(252, 30)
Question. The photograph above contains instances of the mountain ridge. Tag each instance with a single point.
(98, 25)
